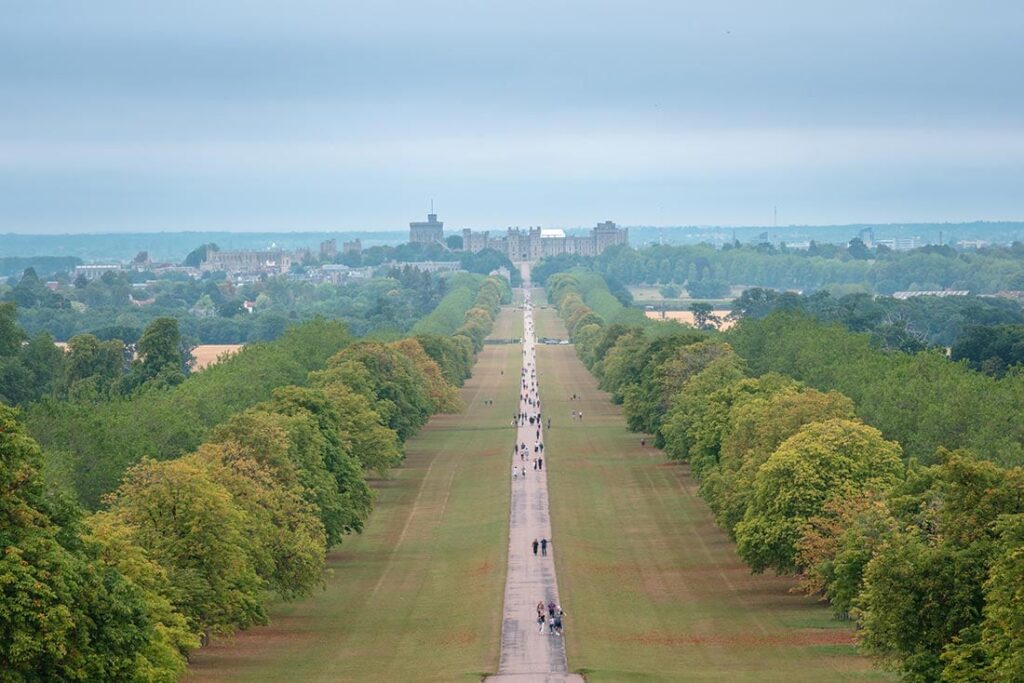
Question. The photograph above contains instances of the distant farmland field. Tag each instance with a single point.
(206, 355)
(687, 317)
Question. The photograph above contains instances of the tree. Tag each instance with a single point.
(287, 538)
(1003, 628)
(757, 427)
(823, 461)
(196, 257)
(89, 358)
(294, 438)
(63, 616)
(160, 351)
(707, 289)
(11, 336)
(703, 316)
(858, 250)
(164, 658)
(191, 526)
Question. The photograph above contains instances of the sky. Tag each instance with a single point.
(256, 116)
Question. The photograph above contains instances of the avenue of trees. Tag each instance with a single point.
(136, 525)
(889, 483)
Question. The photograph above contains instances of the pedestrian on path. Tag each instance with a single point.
(540, 463)
(515, 471)
(544, 546)
(535, 544)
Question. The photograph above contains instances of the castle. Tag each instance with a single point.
(531, 244)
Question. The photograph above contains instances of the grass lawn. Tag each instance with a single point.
(653, 589)
(417, 596)
(509, 326)
(545, 321)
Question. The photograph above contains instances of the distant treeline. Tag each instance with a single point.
(901, 324)
(174, 246)
(842, 268)
(889, 483)
(16, 265)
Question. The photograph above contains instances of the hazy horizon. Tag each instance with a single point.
(334, 118)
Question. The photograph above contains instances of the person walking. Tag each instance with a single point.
(515, 471)
(557, 625)
(535, 544)
(544, 547)
(540, 463)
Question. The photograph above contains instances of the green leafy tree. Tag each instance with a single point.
(823, 461)
(756, 428)
(63, 616)
(160, 352)
(191, 526)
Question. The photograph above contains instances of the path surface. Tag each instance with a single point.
(528, 652)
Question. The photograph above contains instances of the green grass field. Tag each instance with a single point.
(418, 596)
(654, 590)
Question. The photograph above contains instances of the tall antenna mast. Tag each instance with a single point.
(431, 205)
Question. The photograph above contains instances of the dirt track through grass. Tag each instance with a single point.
(654, 590)
(418, 596)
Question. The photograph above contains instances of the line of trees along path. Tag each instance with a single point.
(417, 595)
(654, 590)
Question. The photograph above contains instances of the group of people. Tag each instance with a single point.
(550, 616)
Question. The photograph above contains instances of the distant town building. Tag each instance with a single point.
(94, 271)
(429, 266)
(534, 244)
(338, 273)
(972, 244)
(931, 292)
(269, 262)
(328, 249)
(430, 231)
(899, 243)
(353, 247)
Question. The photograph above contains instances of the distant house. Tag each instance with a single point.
(338, 273)
(94, 271)
(429, 266)
(268, 262)
(931, 292)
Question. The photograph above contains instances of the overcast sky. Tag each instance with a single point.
(191, 115)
